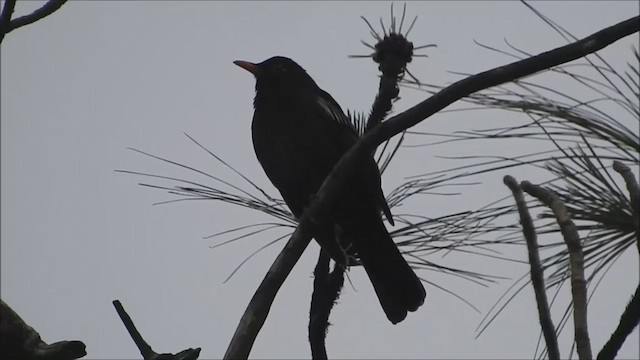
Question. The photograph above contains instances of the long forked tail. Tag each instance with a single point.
(398, 288)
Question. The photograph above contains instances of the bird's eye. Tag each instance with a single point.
(280, 69)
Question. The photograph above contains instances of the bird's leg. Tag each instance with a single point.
(347, 247)
(325, 235)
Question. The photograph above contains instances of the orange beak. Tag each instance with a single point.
(250, 67)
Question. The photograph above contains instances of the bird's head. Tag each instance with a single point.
(277, 73)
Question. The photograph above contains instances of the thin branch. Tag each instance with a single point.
(537, 272)
(145, 350)
(576, 261)
(634, 195)
(5, 17)
(143, 346)
(47, 9)
(258, 308)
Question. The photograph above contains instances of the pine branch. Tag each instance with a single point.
(631, 315)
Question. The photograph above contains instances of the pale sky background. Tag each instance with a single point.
(82, 85)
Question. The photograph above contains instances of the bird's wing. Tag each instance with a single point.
(333, 111)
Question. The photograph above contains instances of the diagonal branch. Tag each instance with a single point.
(47, 9)
(145, 350)
(628, 321)
(143, 346)
(576, 261)
(258, 308)
(537, 272)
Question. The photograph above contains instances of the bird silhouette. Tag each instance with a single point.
(299, 133)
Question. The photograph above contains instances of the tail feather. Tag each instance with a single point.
(398, 288)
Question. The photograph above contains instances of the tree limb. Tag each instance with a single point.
(258, 308)
(326, 290)
(19, 341)
(318, 323)
(537, 273)
(576, 264)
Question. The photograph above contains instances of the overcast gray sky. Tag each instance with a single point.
(82, 85)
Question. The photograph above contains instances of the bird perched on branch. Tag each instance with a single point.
(299, 134)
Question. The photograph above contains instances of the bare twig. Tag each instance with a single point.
(634, 195)
(576, 261)
(537, 272)
(19, 341)
(143, 346)
(145, 350)
(5, 17)
(47, 9)
(258, 308)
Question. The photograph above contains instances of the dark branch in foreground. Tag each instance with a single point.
(628, 321)
(537, 273)
(145, 350)
(318, 323)
(576, 265)
(19, 341)
(5, 17)
(47, 9)
(326, 290)
(257, 310)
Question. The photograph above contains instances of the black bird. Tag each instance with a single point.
(299, 133)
